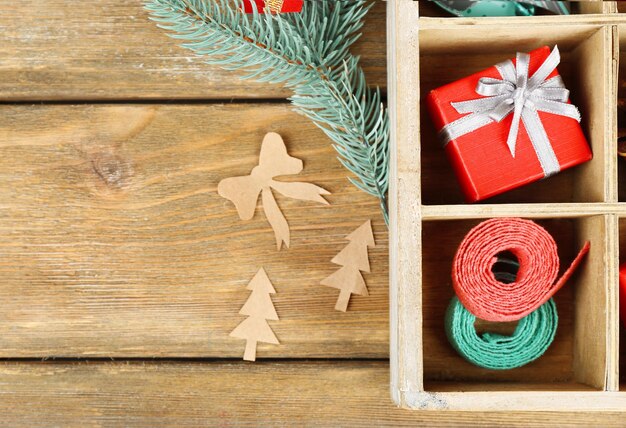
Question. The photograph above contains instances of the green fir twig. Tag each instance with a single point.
(308, 52)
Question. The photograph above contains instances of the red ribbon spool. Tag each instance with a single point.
(491, 300)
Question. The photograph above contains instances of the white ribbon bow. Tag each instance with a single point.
(523, 96)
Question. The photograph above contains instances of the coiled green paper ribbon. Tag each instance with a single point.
(532, 337)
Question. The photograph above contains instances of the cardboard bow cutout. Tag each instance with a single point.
(273, 162)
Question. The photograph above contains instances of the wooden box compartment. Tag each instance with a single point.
(450, 54)
(429, 218)
(568, 364)
(429, 9)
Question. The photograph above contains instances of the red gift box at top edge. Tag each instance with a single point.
(288, 6)
(481, 159)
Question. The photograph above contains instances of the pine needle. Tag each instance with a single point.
(308, 52)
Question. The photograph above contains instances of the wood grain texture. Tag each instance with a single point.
(613, 313)
(338, 394)
(595, 339)
(61, 50)
(115, 242)
(548, 210)
(405, 229)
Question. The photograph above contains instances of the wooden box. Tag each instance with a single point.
(580, 371)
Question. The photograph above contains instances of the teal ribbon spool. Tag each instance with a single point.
(479, 8)
(532, 337)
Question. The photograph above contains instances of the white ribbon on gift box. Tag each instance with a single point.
(524, 97)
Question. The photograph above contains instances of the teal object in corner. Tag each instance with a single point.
(532, 337)
(481, 8)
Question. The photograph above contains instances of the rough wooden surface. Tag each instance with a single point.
(405, 227)
(60, 50)
(116, 243)
(338, 394)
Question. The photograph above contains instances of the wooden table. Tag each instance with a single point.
(122, 269)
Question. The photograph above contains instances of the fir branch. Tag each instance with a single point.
(330, 28)
(354, 118)
(308, 52)
(217, 31)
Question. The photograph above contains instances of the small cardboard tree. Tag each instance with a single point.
(353, 259)
(259, 308)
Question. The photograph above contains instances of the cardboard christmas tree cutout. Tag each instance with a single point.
(259, 308)
(353, 259)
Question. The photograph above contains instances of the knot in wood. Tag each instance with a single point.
(111, 169)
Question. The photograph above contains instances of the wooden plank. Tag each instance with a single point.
(612, 124)
(114, 241)
(593, 335)
(405, 256)
(613, 312)
(348, 393)
(56, 50)
(547, 210)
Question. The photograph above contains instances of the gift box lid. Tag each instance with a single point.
(481, 159)
(285, 6)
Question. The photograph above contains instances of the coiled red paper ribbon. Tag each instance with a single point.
(489, 299)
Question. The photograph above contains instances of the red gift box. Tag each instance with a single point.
(622, 293)
(484, 164)
(274, 6)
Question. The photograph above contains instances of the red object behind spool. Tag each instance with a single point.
(536, 251)
(622, 293)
